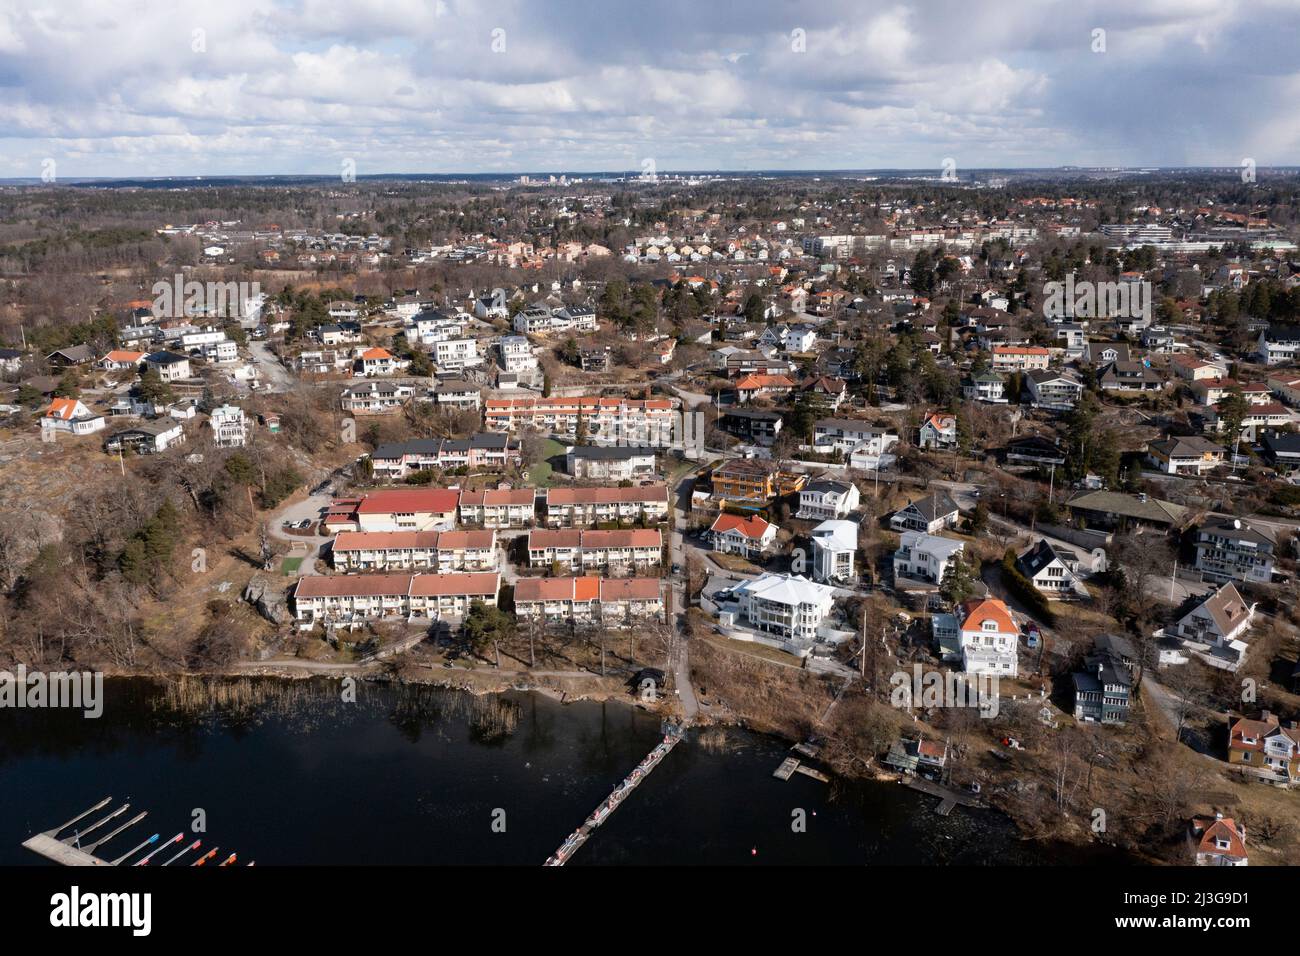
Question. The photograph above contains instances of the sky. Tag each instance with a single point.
(210, 87)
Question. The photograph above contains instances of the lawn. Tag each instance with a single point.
(539, 476)
(290, 566)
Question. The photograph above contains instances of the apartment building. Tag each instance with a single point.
(1229, 549)
(1020, 358)
(352, 598)
(583, 507)
(498, 508)
(443, 551)
(618, 552)
(610, 462)
(603, 420)
(749, 479)
(484, 450)
(399, 509)
(608, 601)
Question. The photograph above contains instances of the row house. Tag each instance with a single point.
(608, 601)
(353, 598)
(618, 552)
(484, 450)
(498, 507)
(605, 420)
(583, 507)
(443, 551)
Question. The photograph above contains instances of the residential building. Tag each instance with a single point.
(1054, 570)
(119, 360)
(752, 424)
(1190, 455)
(753, 480)
(827, 498)
(791, 607)
(498, 508)
(1214, 628)
(747, 536)
(610, 462)
(938, 431)
(455, 393)
(757, 386)
(456, 355)
(924, 557)
(1020, 358)
(516, 354)
(603, 420)
(1103, 690)
(1265, 748)
(443, 551)
(376, 398)
(987, 387)
(398, 509)
(848, 437)
(352, 598)
(229, 426)
(169, 366)
(378, 361)
(1056, 391)
(484, 450)
(1282, 449)
(1279, 344)
(1217, 841)
(931, 514)
(622, 551)
(609, 601)
(835, 547)
(71, 415)
(1114, 510)
(1229, 549)
(982, 635)
(147, 438)
(1130, 377)
(583, 507)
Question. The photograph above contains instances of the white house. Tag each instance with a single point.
(924, 556)
(1213, 630)
(72, 416)
(847, 437)
(791, 607)
(229, 426)
(169, 366)
(454, 355)
(835, 545)
(825, 498)
(982, 635)
(747, 536)
(1055, 571)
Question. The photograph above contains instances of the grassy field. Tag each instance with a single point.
(290, 566)
(539, 476)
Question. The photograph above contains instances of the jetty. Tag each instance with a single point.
(673, 735)
(78, 847)
(948, 797)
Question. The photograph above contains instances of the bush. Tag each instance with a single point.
(1024, 589)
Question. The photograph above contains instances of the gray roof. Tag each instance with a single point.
(1129, 506)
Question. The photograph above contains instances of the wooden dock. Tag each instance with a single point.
(948, 798)
(788, 766)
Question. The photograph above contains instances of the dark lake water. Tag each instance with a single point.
(418, 775)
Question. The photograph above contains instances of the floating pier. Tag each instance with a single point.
(948, 797)
(672, 736)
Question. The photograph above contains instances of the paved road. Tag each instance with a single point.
(274, 376)
(679, 650)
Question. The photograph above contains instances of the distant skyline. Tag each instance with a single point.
(141, 88)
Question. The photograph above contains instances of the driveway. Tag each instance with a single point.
(274, 376)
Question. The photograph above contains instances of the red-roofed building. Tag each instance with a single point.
(763, 386)
(498, 507)
(444, 551)
(989, 638)
(618, 552)
(748, 536)
(398, 509)
(352, 598)
(72, 416)
(576, 507)
(611, 602)
(1217, 841)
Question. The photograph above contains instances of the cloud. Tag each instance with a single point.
(150, 87)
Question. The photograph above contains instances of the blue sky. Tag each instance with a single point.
(140, 87)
